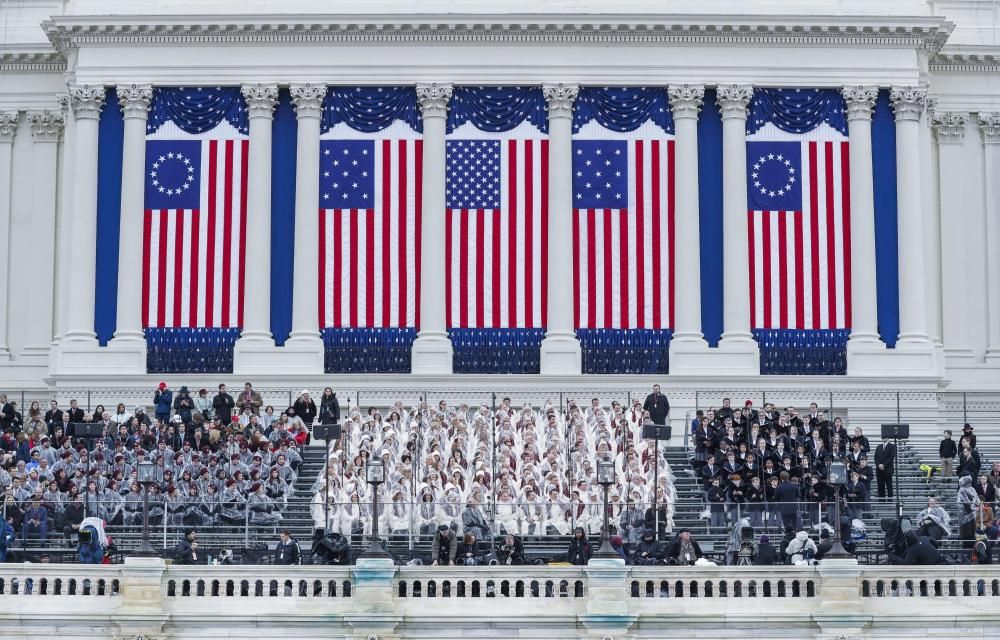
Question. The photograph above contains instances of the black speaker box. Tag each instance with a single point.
(896, 431)
(652, 431)
(328, 431)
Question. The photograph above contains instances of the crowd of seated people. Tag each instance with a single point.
(226, 459)
(772, 467)
(522, 471)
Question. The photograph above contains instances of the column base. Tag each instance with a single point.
(301, 355)
(35, 355)
(742, 354)
(431, 354)
(561, 355)
(4, 354)
(873, 359)
(692, 356)
(83, 356)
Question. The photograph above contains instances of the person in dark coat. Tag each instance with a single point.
(444, 547)
(657, 406)
(923, 552)
(947, 450)
(885, 461)
(187, 549)
(223, 405)
(329, 408)
(511, 551)
(579, 548)
(787, 496)
(766, 553)
(467, 552)
(163, 399)
(305, 408)
(287, 551)
(648, 551)
(684, 549)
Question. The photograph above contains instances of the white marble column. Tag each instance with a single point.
(949, 130)
(908, 103)
(8, 129)
(255, 348)
(46, 131)
(688, 349)
(134, 101)
(87, 102)
(64, 221)
(560, 350)
(989, 127)
(432, 352)
(860, 103)
(304, 339)
(737, 341)
(932, 223)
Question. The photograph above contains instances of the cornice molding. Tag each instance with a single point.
(926, 33)
(32, 59)
(966, 59)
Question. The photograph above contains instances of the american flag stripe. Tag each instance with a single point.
(623, 257)
(194, 260)
(368, 272)
(497, 257)
(800, 260)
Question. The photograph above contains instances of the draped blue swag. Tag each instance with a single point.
(797, 110)
(370, 109)
(497, 108)
(796, 351)
(623, 108)
(197, 110)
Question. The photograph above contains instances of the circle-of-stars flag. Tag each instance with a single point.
(495, 232)
(194, 217)
(623, 239)
(369, 235)
(799, 234)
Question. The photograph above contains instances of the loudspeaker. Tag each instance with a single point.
(652, 431)
(328, 431)
(88, 429)
(896, 431)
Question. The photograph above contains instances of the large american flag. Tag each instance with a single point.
(799, 233)
(496, 232)
(369, 195)
(193, 249)
(623, 233)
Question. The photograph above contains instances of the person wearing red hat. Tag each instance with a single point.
(163, 399)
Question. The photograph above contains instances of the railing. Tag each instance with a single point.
(503, 582)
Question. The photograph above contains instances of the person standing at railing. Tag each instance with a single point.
(885, 461)
(163, 400)
(223, 405)
(287, 551)
(657, 405)
(249, 397)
